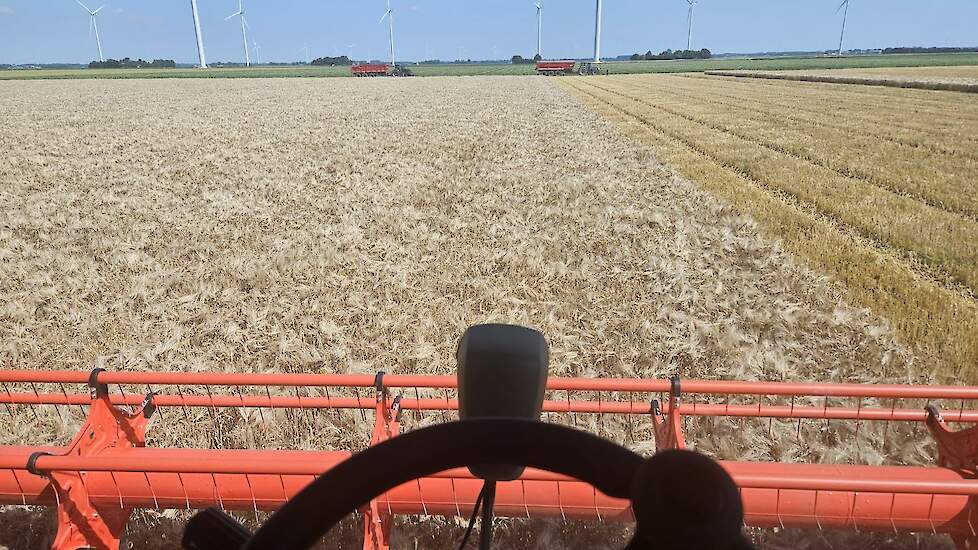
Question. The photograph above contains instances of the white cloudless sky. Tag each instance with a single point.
(47, 31)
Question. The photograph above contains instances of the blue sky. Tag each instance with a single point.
(57, 30)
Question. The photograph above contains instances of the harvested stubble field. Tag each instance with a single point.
(872, 186)
(356, 226)
(952, 79)
(940, 75)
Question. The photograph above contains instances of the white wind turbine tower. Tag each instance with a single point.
(597, 32)
(93, 25)
(244, 33)
(845, 15)
(540, 29)
(389, 15)
(200, 36)
(257, 52)
(689, 21)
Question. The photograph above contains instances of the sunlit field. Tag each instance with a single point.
(355, 225)
(507, 69)
(874, 187)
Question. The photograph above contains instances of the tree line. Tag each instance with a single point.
(330, 61)
(520, 60)
(670, 54)
(126, 63)
(928, 50)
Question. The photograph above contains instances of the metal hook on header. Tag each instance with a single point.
(95, 388)
(396, 408)
(81, 523)
(954, 449)
(379, 386)
(148, 406)
(675, 389)
(668, 429)
(394, 411)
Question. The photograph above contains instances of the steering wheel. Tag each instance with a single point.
(681, 499)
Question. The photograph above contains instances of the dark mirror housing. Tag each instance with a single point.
(502, 373)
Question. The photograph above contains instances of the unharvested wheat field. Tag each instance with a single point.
(353, 226)
(874, 187)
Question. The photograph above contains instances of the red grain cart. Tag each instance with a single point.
(555, 67)
(370, 69)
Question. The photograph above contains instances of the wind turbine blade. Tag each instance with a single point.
(91, 24)
(232, 15)
(98, 10)
(844, 2)
(386, 13)
(84, 6)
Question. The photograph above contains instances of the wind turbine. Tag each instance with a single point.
(539, 29)
(389, 15)
(689, 20)
(93, 25)
(845, 15)
(200, 36)
(350, 47)
(257, 52)
(597, 32)
(244, 33)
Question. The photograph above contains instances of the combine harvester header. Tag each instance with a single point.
(107, 471)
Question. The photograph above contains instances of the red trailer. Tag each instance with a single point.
(370, 69)
(555, 67)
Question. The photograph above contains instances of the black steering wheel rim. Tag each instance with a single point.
(304, 519)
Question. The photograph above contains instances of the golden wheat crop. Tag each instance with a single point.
(356, 226)
(836, 201)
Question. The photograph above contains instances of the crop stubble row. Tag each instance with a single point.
(853, 234)
(937, 175)
(942, 240)
(909, 128)
(914, 110)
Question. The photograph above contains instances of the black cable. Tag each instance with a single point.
(485, 535)
(475, 514)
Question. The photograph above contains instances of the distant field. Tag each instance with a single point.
(791, 63)
(957, 79)
(963, 73)
(875, 187)
(483, 69)
(254, 72)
